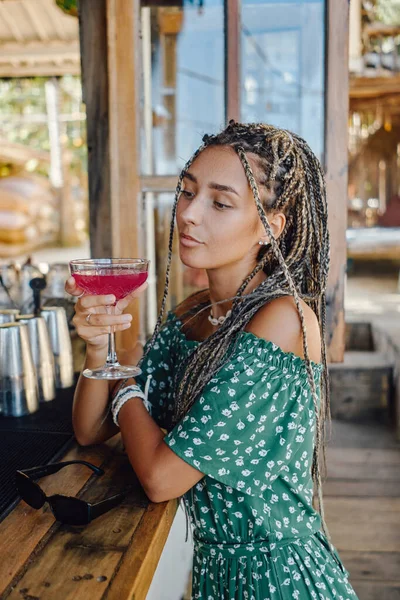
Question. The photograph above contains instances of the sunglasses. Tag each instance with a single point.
(67, 509)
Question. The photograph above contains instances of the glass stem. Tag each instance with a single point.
(112, 360)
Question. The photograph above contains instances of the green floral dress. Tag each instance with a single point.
(256, 533)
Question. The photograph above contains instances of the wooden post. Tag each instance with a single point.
(93, 42)
(232, 59)
(109, 30)
(337, 101)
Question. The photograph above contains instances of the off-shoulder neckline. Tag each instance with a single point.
(249, 339)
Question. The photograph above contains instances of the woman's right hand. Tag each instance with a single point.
(95, 330)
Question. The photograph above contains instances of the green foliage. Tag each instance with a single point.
(23, 116)
(388, 11)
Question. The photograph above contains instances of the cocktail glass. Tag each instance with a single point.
(117, 276)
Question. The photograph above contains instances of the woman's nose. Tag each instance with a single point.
(193, 212)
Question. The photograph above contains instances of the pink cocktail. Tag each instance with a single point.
(104, 276)
(119, 284)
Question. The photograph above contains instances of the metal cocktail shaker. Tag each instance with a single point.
(8, 315)
(18, 384)
(60, 339)
(42, 355)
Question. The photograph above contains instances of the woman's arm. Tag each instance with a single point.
(91, 418)
(161, 472)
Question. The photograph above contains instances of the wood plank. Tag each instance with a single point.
(358, 488)
(80, 561)
(336, 111)
(349, 523)
(140, 561)
(389, 590)
(356, 456)
(375, 566)
(363, 471)
(25, 527)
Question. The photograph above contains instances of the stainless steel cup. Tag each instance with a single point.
(42, 355)
(18, 384)
(60, 339)
(8, 315)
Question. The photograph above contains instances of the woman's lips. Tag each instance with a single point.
(188, 241)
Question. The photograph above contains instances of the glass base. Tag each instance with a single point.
(116, 371)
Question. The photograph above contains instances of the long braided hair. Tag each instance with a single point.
(296, 264)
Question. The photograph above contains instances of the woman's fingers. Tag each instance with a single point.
(95, 301)
(105, 320)
(124, 302)
(90, 332)
(71, 287)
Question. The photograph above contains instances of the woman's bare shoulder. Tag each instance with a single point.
(279, 322)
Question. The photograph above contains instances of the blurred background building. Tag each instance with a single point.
(199, 62)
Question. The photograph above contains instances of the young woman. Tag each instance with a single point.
(237, 373)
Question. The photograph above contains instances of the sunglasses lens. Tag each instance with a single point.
(29, 491)
(70, 511)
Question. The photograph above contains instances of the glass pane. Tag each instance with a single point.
(183, 81)
(183, 281)
(283, 66)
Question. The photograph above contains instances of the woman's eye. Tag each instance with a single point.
(221, 206)
(187, 194)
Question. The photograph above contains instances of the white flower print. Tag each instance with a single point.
(269, 428)
(226, 412)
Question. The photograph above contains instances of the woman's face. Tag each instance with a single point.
(217, 208)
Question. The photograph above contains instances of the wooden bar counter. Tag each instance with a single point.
(114, 557)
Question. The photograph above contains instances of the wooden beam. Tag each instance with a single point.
(40, 51)
(40, 70)
(158, 183)
(123, 82)
(232, 58)
(109, 34)
(336, 111)
(94, 61)
(374, 87)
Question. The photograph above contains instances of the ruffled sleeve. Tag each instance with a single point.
(157, 369)
(254, 417)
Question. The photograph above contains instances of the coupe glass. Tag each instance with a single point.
(117, 276)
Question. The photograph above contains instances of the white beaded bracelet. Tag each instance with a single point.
(126, 393)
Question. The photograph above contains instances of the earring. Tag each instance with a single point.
(263, 243)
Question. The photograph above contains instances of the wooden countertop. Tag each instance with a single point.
(113, 557)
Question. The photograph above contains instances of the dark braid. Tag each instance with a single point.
(296, 264)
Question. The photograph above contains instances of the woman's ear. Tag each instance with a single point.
(277, 223)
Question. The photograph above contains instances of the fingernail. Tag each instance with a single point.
(126, 325)
(110, 298)
(127, 317)
(71, 280)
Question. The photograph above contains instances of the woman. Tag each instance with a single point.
(237, 374)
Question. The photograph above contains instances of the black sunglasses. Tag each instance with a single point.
(66, 509)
